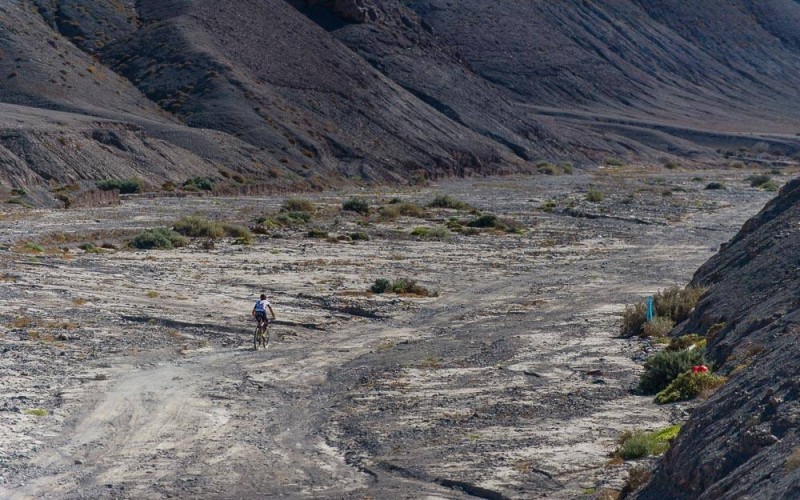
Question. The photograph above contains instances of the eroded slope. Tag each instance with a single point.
(744, 440)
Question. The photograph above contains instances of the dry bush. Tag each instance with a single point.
(677, 303)
(638, 476)
(659, 327)
(793, 461)
(405, 209)
(674, 304)
(22, 322)
(404, 286)
(197, 227)
(595, 195)
(691, 341)
(447, 201)
(431, 233)
(633, 319)
(357, 205)
(299, 205)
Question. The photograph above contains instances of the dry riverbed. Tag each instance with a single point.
(131, 374)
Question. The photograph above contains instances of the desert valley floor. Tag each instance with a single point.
(131, 374)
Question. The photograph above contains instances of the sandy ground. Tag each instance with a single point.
(131, 374)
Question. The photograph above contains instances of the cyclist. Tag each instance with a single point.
(260, 312)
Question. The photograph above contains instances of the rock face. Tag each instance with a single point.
(315, 93)
(744, 441)
(352, 10)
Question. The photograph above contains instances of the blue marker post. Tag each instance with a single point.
(649, 313)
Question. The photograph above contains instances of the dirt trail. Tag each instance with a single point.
(510, 383)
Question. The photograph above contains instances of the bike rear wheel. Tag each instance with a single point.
(256, 337)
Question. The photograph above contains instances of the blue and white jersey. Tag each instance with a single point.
(262, 305)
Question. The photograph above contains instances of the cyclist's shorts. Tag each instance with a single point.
(261, 316)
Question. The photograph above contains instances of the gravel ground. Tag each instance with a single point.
(131, 374)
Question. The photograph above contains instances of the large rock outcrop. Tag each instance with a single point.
(744, 442)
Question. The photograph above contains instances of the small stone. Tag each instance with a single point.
(78, 462)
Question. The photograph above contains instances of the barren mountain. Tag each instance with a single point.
(302, 93)
(743, 442)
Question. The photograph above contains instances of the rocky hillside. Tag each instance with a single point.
(744, 441)
(315, 93)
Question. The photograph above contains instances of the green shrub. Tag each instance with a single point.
(689, 385)
(614, 161)
(758, 180)
(357, 205)
(409, 286)
(199, 227)
(434, 233)
(294, 218)
(715, 186)
(770, 186)
(639, 444)
(595, 196)
(381, 285)
(359, 236)
(547, 168)
(692, 340)
(20, 202)
(33, 247)
(159, 238)
(486, 220)
(37, 412)
(665, 366)
(317, 233)
(90, 248)
(124, 186)
(447, 201)
(400, 286)
(406, 209)
(658, 327)
(299, 205)
(495, 222)
(199, 184)
(549, 206)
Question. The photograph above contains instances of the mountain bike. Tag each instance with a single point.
(261, 335)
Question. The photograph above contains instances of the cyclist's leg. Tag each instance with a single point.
(262, 329)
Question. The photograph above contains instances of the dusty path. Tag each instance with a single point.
(509, 384)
